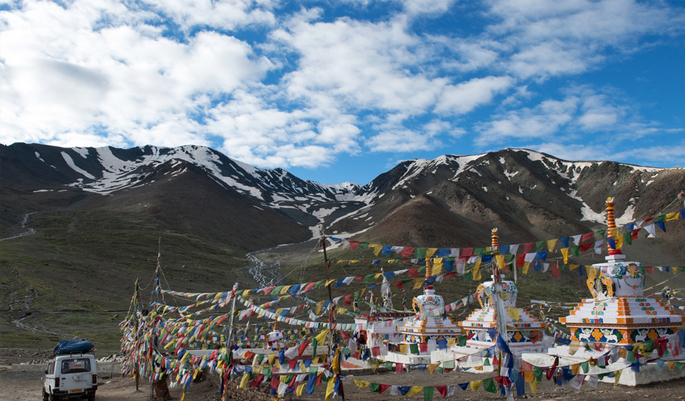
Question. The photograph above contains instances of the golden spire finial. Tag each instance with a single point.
(494, 246)
(612, 231)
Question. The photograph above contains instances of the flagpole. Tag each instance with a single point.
(229, 339)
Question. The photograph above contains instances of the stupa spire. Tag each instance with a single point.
(429, 272)
(612, 232)
(494, 245)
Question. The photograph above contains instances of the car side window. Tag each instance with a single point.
(51, 368)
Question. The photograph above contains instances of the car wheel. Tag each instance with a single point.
(91, 397)
(53, 397)
(45, 395)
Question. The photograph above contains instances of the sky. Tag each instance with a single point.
(343, 90)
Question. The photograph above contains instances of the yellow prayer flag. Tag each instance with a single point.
(623, 353)
(475, 384)
(377, 276)
(271, 358)
(526, 266)
(430, 252)
(591, 272)
(613, 233)
(476, 271)
(675, 269)
(533, 386)
(318, 307)
(376, 248)
(362, 383)
(617, 376)
(564, 253)
(328, 282)
(528, 376)
(300, 389)
(573, 267)
(437, 269)
(451, 341)
(244, 381)
(285, 289)
(671, 365)
(321, 337)
(418, 283)
(414, 390)
(619, 242)
(575, 369)
(513, 313)
(403, 348)
(551, 243)
(330, 388)
(500, 261)
(431, 368)
(672, 216)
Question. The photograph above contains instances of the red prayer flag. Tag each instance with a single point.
(423, 347)
(442, 390)
(586, 236)
(354, 245)
(555, 270)
(585, 247)
(520, 260)
(633, 235)
(413, 272)
(383, 387)
(399, 368)
(528, 246)
(407, 251)
(649, 269)
(302, 347)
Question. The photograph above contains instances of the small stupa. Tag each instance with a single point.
(619, 313)
(523, 330)
(418, 329)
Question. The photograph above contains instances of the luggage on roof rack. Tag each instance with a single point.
(72, 347)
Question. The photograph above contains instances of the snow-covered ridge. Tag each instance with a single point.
(117, 174)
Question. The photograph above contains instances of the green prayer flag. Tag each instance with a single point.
(537, 372)
(478, 251)
(364, 245)
(314, 345)
(420, 252)
(602, 233)
(462, 341)
(540, 245)
(627, 238)
(574, 250)
(487, 362)
(369, 278)
(414, 348)
(375, 387)
(489, 385)
(428, 393)
(585, 366)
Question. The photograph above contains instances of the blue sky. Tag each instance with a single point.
(343, 90)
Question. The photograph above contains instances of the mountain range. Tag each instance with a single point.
(95, 219)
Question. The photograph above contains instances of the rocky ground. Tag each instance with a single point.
(26, 386)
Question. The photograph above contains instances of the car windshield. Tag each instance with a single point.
(75, 365)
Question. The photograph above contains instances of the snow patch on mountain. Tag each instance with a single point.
(73, 166)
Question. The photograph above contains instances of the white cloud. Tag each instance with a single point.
(466, 96)
(559, 38)
(65, 73)
(543, 120)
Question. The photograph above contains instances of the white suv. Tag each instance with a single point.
(70, 376)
